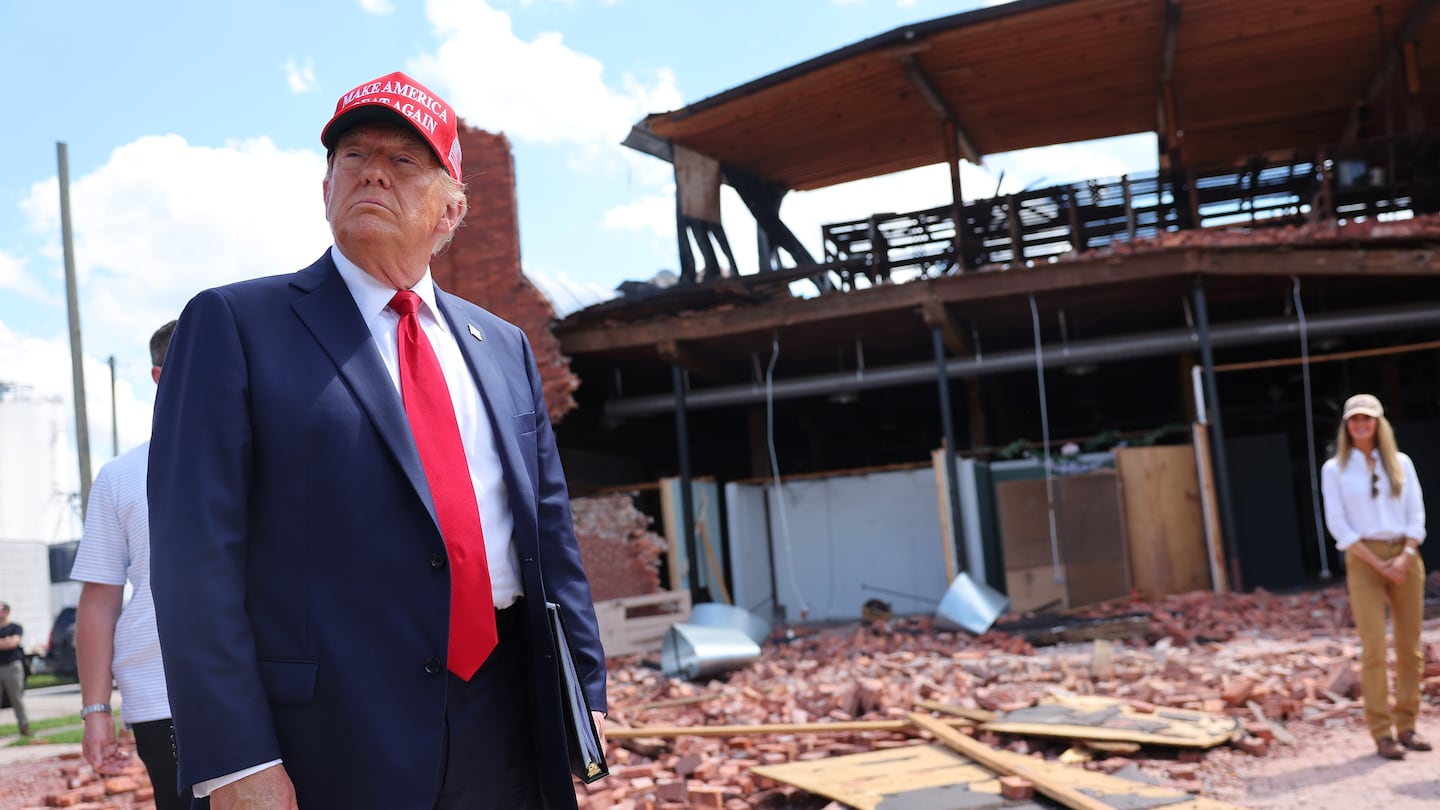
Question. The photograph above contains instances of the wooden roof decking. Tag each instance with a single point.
(1247, 77)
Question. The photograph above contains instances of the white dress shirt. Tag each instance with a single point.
(1353, 514)
(487, 473)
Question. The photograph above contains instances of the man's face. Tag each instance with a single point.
(383, 194)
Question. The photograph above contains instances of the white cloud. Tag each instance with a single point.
(377, 6)
(162, 220)
(14, 277)
(538, 90)
(652, 213)
(301, 78)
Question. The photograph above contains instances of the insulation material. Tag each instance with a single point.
(834, 539)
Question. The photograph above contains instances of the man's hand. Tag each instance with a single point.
(99, 746)
(600, 727)
(269, 789)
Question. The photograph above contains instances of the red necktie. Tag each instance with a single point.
(437, 436)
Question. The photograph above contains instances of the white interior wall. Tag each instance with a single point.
(845, 532)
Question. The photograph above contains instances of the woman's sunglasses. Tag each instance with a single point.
(1374, 485)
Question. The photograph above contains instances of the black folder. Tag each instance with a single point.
(587, 759)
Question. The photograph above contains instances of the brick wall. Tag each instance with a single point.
(621, 554)
(482, 264)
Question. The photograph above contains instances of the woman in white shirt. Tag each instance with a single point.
(1375, 512)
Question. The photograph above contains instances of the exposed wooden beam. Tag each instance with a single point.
(696, 361)
(956, 341)
(918, 77)
(1409, 32)
(983, 287)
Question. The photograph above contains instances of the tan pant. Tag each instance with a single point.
(1370, 593)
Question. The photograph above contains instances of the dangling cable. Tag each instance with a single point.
(1045, 449)
(1310, 428)
(775, 472)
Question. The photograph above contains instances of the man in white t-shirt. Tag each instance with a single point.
(116, 641)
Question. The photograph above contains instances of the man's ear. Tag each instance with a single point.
(450, 219)
(155, 374)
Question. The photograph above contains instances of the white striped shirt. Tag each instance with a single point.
(116, 548)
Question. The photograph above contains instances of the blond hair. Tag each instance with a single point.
(1389, 451)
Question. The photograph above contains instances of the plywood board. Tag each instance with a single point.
(1214, 541)
(1093, 529)
(879, 780)
(1164, 525)
(1024, 523)
(1034, 588)
(1101, 718)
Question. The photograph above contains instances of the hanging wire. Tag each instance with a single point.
(775, 472)
(1310, 429)
(1045, 447)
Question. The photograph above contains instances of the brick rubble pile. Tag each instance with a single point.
(1272, 662)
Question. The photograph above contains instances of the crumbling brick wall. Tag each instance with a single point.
(621, 554)
(482, 264)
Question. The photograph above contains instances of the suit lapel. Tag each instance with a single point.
(329, 312)
(495, 392)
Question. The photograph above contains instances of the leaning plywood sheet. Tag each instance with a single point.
(933, 777)
(1100, 718)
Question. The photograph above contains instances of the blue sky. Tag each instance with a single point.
(194, 155)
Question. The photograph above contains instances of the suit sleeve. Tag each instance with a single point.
(564, 574)
(199, 483)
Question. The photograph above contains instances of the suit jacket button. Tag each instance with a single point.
(433, 666)
(437, 561)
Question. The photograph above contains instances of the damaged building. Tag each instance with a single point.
(1140, 374)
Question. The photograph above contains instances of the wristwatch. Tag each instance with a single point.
(94, 708)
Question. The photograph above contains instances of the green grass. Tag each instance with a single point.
(55, 731)
(48, 679)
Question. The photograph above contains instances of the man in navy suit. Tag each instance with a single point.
(358, 513)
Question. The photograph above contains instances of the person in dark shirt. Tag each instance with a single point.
(12, 667)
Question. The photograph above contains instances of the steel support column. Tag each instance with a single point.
(1217, 437)
(687, 504)
(947, 425)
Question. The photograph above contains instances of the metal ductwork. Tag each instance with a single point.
(1101, 350)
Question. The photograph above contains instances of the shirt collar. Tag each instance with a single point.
(372, 295)
(1355, 451)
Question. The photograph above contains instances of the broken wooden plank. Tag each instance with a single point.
(864, 781)
(1045, 783)
(976, 715)
(1109, 719)
(836, 727)
(1279, 730)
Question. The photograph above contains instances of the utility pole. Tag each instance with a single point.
(77, 357)
(114, 414)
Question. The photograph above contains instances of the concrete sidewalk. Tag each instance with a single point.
(45, 704)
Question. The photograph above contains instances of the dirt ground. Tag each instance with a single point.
(1329, 768)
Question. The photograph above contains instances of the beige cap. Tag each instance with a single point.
(1363, 403)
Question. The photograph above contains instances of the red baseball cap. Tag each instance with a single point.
(400, 99)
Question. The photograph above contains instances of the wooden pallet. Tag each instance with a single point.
(637, 624)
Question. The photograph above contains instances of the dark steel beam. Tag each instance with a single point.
(947, 427)
(1101, 350)
(1217, 437)
(687, 505)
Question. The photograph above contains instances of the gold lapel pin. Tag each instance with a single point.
(474, 330)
